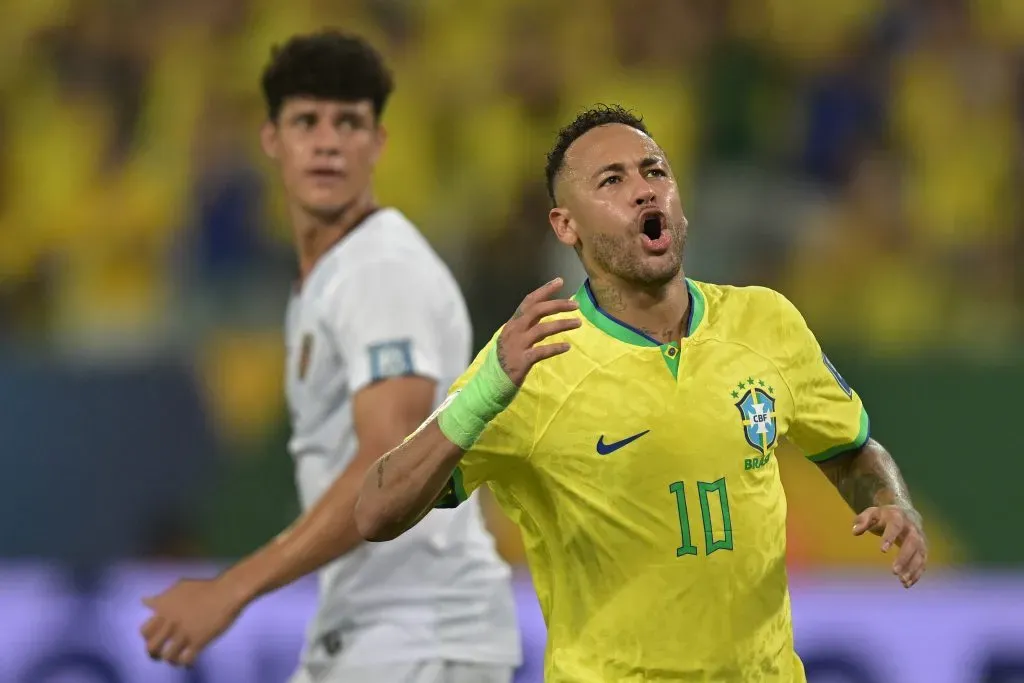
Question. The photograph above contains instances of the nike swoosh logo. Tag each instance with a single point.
(606, 448)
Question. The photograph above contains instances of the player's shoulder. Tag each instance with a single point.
(385, 238)
(387, 250)
(744, 311)
(735, 297)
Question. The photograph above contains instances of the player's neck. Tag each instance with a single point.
(659, 312)
(316, 234)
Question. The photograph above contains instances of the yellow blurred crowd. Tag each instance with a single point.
(115, 116)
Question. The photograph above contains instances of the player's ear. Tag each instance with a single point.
(563, 225)
(268, 139)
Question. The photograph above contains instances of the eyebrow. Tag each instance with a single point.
(313, 106)
(619, 167)
(302, 113)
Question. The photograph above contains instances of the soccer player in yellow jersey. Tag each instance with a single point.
(631, 433)
(640, 464)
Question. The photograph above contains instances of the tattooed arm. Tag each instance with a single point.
(867, 477)
(871, 484)
(409, 480)
(405, 484)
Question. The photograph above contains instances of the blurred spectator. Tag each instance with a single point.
(845, 112)
(863, 156)
(151, 112)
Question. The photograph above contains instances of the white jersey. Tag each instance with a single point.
(381, 304)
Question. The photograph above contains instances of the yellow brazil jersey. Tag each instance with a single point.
(644, 480)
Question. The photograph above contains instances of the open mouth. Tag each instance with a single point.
(653, 231)
(653, 225)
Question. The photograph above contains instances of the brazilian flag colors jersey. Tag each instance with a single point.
(644, 480)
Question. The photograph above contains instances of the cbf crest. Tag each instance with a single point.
(757, 414)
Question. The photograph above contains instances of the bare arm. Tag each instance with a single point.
(868, 477)
(409, 480)
(191, 614)
(405, 484)
(871, 483)
(383, 414)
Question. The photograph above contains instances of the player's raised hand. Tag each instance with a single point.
(900, 526)
(187, 617)
(517, 345)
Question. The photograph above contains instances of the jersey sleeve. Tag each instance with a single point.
(829, 418)
(382, 316)
(502, 449)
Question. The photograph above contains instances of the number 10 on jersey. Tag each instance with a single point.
(704, 490)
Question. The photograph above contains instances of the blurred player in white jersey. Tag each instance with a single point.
(376, 332)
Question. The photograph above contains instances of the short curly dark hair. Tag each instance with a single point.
(328, 65)
(591, 118)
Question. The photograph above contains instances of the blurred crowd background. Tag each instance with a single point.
(864, 157)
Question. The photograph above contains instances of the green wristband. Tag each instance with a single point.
(480, 400)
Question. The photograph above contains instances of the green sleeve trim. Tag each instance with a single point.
(454, 493)
(458, 487)
(862, 438)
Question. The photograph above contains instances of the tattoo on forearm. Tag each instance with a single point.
(499, 349)
(868, 478)
(381, 464)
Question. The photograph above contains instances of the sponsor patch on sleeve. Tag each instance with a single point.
(835, 373)
(390, 359)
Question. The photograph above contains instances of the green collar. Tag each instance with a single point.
(614, 327)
